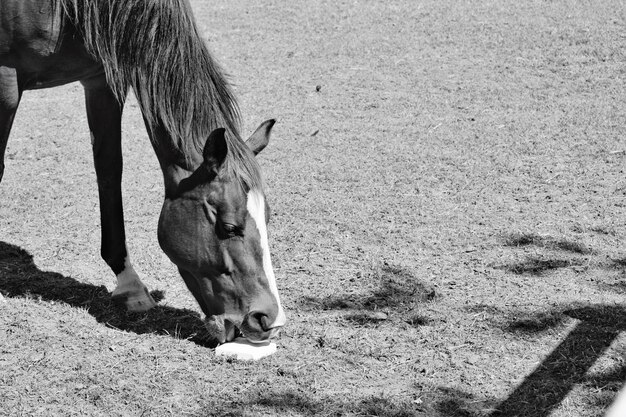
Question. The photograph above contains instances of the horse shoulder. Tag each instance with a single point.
(31, 26)
(37, 39)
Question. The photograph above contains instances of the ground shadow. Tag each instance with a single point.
(20, 277)
(546, 387)
(286, 402)
(398, 291)
(613, 378)
(528, 239)
(521, 322)
(562, 254)
(536, 323)
(568, 365)
(619, 263)
(450, 402)
(301, 403)
(538, 265)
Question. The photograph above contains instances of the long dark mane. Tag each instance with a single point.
(153, 47)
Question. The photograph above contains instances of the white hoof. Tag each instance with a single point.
(131, 291)
(136, 299)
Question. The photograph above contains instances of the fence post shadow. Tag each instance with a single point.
(546, 387)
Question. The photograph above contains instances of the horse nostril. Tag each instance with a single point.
(258, 327)
(258, 320)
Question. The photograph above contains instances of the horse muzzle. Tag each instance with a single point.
(220, 329)
(255, 328)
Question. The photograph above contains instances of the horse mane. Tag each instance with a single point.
(154, 47)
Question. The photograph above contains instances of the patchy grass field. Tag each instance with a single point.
(448, 189)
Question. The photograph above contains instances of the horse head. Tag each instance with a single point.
(215, 230)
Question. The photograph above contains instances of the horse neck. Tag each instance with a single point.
(181, 89)
(175, 165)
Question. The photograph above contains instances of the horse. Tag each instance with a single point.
(213, 222)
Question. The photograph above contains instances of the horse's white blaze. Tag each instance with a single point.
(256, 208)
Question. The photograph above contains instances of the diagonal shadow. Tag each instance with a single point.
(544, 389)
(20, 277)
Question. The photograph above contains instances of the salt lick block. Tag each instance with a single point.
(243, 350)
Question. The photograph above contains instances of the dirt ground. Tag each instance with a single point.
(448, 195)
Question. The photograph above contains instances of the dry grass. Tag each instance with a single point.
(447, 183)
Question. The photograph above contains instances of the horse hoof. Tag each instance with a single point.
(136, 301)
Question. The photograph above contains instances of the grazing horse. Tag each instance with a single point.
(213, 223)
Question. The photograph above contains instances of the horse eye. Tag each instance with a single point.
(231, 230)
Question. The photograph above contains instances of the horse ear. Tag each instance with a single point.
(215, 149)
(261, 136)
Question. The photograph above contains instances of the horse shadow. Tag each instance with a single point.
(20, 277)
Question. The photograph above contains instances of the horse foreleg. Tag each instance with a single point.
(104, 114)
(10, 94)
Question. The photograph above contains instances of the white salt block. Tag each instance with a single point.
(243, 350)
